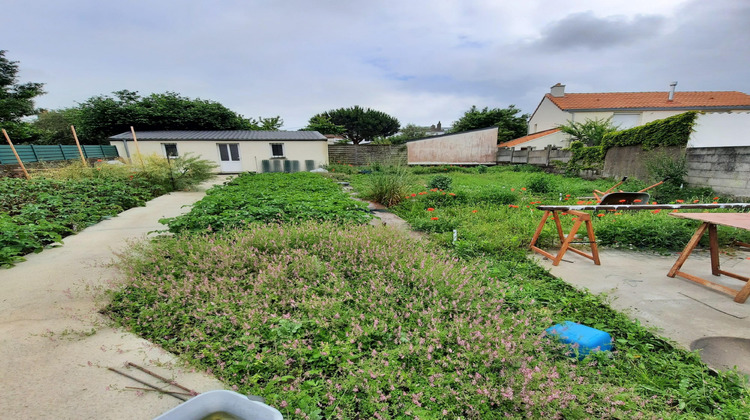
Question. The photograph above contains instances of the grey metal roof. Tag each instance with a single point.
(221, 135)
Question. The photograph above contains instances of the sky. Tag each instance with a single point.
(420, 61)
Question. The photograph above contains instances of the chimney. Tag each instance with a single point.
(557, 90)
(671, 90)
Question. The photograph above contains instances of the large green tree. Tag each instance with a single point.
(323, 125)
(16, 101)
(103, 116)
(362, 124)
(510, 125)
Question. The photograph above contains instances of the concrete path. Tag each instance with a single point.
(55, 348)
(692, 315)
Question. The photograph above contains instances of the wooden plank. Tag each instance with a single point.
(539, 229)
(742, 295)
(735, 220)
(736, 276)
(688, 249)
(713, 246)
(709, 284)
(622, 207)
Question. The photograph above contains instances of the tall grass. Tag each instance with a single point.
(388, 187)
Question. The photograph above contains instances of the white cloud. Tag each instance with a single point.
(421, 61)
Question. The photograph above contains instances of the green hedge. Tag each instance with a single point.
(671, 131)
(585, 157)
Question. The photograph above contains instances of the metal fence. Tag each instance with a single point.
(42, 153)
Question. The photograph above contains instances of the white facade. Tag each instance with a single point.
(725, 129)
(234, 156)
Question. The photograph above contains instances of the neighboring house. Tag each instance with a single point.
(627, 109)
(234, 151)
(539, 140)
(475, 147)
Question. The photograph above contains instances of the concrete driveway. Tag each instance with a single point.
(55, 348)
(694, 316)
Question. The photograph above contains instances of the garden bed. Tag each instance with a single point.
(338, 319)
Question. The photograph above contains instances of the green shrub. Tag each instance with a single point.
(441, 182)
(541, 184)
(388, 188)
(481, 169)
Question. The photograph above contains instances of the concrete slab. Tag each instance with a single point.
(681, 310)
(55, 347)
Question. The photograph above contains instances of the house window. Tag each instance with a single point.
(170, 149)
(277, 150)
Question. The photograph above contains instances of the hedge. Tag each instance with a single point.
(670, 131)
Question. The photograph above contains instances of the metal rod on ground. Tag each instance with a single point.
(162, 378)
(155, 390)
(147, 384)
(75, 136)
(18, 158)
(137, 149)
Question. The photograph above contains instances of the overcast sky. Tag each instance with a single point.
(418, 60)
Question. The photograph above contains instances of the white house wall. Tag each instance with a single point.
(547, 116)
(470, 148)
(252, 153)
(557, 139)
(721, 130)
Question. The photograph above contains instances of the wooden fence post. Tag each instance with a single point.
(18, 158)
(75, 136)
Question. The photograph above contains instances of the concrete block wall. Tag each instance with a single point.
(725, 169)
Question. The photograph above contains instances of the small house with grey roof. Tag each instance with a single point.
(233, 151)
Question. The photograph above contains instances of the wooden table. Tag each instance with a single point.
(710, 220)
(583, 218)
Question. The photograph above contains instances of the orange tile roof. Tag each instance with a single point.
(640, 100)
(530, 137)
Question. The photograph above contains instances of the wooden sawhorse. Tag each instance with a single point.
(710, 220)
(581, 218)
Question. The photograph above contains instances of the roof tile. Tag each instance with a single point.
(524, 139)
(641, 100)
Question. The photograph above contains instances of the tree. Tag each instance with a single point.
(408, 132)
(53, 127)
(362, 124)
(16, 101)
(509, 124)
(103, 116)
(323, 125)
(590, 132)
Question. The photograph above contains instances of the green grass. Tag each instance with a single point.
(329, 320)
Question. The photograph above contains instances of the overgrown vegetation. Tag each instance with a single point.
(590, 132)
(670, 131)
(360, 322)
(267, 198)
(65, 200)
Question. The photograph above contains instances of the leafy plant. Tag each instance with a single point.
(270, 198)
(591, 132)
(388, 188)
(441, 182)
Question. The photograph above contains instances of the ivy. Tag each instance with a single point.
(670, 131)
(584, 157)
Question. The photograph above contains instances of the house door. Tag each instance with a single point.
(229, 155)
